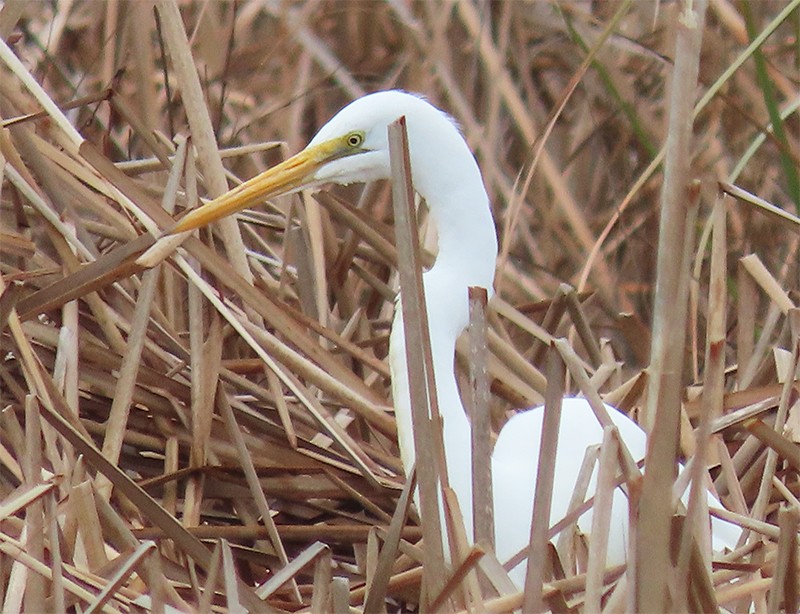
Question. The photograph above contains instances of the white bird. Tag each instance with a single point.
(353, 147)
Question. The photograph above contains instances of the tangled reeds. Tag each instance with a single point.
(216, 433)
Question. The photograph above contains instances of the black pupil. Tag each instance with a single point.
(354, 139)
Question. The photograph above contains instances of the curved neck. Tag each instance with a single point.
(466, 257)
(451, 409)
(459, 206)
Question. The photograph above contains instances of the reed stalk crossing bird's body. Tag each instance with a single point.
(353, 147)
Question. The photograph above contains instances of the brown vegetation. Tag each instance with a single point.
(216, 432)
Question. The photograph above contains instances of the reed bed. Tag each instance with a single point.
(216, 433)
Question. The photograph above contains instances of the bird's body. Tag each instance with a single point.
(516, 458)
(353, 147)
(445, 174)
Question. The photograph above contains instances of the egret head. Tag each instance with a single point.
(351, 148)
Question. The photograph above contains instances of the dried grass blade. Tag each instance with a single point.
(463, 552)
(747, 303)
(244, 328)
(753, 265)
(791, 222)
(117, 264)
(567, 526)
(361, 498)
(342, 342)
(545, 477)
(518, 318)
(780, 446)
(149, 507)
(675, 244)
(24, 498)
(223, 271)
(323, 575)
(89, 529)
(601, 518)
(695, 529)
(34, 512)
(8, 300)
(56, 562)
(70, 137)
(507, 364)
(252, 481)
(497, 576)
(349, 387)
(576, 370)
(746, 522)
(471, 560)
(282, 407)
(210, 588)
(359, 398)
(582, 327)
(367, 229)
(231, 580)
(17, 553)
(126, 382)
(376, 589)
(784, 593)
(44, 208)
(115, 582)
(787, 449)
(481, 421)
(698, 589)
(338, 533)
(305, 558)
(340, 595)
(206, 372)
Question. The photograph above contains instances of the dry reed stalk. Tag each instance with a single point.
(543, 496)
(601, 519)
(713, 390)
(376, 587)
(480, 421)
(661, 416)
(784, 593)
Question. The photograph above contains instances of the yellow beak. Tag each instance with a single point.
(292, 174)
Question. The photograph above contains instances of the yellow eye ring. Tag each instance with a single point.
(355, 139)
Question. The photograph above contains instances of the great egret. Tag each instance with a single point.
(353, 147)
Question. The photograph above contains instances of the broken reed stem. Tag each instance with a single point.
(117, 423)
(601, 518)
(581, 324)
(376, 588)
(545, 476)
(424, 408)
(35, 590)
(713, 392)
(481, 420)
(784, 593)
(256, 490)
(629, 468)
(662, 410)
(779, 446)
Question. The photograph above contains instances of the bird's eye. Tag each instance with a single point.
(355, 139)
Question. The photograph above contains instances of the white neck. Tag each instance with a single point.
(467, 255)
